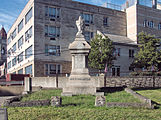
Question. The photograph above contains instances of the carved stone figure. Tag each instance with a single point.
(80, 25)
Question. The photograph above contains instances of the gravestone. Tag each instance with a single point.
(100, 101)
(56, 101)
(3, 114)
(79, 81)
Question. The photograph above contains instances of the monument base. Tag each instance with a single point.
(78, 85)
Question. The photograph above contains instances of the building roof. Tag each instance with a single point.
(3, 33)
(120, 39)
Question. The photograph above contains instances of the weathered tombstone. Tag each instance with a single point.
(56, 101)
(100, 101)
(3, 114)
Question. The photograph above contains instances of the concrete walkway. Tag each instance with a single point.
(2, 99)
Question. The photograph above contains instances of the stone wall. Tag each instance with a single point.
(135, 82)
(11, 90)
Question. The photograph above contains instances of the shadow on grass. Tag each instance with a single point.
(71, 104)
(110, 89)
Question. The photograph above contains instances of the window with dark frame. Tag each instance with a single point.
(20, 26)
(131, 53)
(52, 12)
(52, 31)
(105, 21)
(28, 16)
(52, 69)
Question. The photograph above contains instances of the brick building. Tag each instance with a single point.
(38, 40)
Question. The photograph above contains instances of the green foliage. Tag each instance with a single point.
(101, 52)
(149, 55)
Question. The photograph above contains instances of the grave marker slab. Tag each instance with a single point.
(3, 114)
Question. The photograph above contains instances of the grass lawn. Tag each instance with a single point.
(82, 108)
(154, 95)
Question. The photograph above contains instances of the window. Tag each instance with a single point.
(3, 51)
(52, 12)
(20, 26)
(117, 52)
(28, 52)
(159, 26)
(105, 21)
(14, 34)
(14, 61)
(20, 57)
(52, 50)
(28, 34)
(20, 42)
(9, 52)
(131, 53)
(9, 65)
(88, 36)
(88, 18)
(51, 69)
(20, 71)
(9, 40)
(14, 48)
(28, 70)
(52, 31)
(145, 23)
(151, 24)
(28, 16)
(116, 71)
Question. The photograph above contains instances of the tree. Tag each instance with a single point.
(148, 56)
(101, 53)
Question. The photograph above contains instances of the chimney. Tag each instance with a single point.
(154, 4)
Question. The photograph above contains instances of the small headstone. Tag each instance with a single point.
(100, 101)
(56, 101)
(3, 114)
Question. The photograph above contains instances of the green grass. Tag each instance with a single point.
(81, 108)
(154, 95)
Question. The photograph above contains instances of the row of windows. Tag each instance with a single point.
(20, 42)
(28, 52)
(117, 52)
(20, 26)
(55, 13)
(150, 24)
(28, 70)
(54, 32)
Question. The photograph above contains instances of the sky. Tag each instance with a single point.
(10, 9)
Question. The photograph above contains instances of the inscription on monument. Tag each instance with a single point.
(80, 79)
(3, 114)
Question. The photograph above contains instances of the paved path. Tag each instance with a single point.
(2, 99)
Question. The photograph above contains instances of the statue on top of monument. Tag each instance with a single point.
(80, 25)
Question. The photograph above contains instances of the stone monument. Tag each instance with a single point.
(79, 81)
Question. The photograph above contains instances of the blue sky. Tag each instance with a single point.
(10, 9)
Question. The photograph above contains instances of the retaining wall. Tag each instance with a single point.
(134, 82)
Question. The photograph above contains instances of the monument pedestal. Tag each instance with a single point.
(79, 81)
